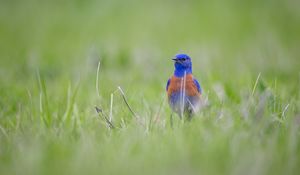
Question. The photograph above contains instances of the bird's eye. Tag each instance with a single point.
(183, 59)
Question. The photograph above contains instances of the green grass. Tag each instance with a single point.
(245, 55)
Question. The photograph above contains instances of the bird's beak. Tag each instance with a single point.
(176, 60)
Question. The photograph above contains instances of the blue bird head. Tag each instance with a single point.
(183, 65)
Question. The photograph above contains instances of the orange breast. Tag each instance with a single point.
(176, 84)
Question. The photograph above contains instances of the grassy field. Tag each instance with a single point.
(246, 56)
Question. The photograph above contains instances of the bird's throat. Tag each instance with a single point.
(180, 72)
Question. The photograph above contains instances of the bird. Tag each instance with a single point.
(183, 90)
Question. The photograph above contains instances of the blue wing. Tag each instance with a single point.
(198, 86)
(168, 83)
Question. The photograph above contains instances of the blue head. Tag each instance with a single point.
(183, 65)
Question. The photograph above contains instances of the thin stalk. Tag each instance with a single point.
(111, 106)
(255, 85)
(126, 102)
(101, 113)
(97, 80)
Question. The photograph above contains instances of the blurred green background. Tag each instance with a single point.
(48, 49)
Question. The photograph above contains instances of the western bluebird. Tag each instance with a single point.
(183, 89)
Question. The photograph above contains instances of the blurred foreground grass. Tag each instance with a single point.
(49, 52)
